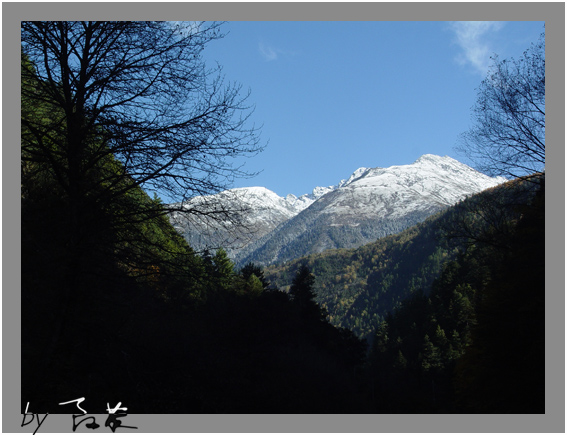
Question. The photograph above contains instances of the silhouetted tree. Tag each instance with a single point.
(223, 270)
(508, 136)
(503, 368)
(111, 110)
(303, 296)
(250, 269)
(131, 105)
(490, 218)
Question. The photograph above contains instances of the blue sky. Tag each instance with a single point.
(336, 96)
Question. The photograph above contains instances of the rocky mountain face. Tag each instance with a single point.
(373, 202)
(237, 217)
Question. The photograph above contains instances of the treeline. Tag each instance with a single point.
(310, 232)
(359, 287)
(476, 343)
(222, 342)
(453, 308)
(164, 330)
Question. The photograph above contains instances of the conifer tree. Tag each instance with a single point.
(431, 360)
(303, 296)
(223, 269)
(251, 269)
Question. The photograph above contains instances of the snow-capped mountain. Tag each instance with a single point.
(371, 203)
(430, 182)
(234, 218)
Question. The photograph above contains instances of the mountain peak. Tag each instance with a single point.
(359, 173)
(438, 160)
(433, 158)
(371, 203)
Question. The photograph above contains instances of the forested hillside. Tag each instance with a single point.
(116, 307)
(358, 287)
(476, 342)
(373, 203)
(453, 307)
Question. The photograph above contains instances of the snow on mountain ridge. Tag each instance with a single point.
(372, 196)
(359, 173)
(430, 181)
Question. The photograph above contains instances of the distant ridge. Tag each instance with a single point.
(371, 203)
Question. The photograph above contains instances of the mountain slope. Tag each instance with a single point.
(234, 218)
(256, 225)
(358, 287)
(372, 203)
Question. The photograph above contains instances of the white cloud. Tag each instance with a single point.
(472, 37)
(268, 52)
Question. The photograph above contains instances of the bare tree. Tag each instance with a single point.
(508, 136)
(111, 110)
(130, 105)
(139, 92)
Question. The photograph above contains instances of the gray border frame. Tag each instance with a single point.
(554, 16)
